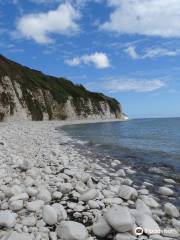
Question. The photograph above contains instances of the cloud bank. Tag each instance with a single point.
(41, 26)
(145, 17)
(151, 52)
(115, 85)
(98, 59)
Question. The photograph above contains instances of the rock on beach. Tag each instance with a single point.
(127, 192)
(166, 191)
(35, 206)
(148, 224)
(119, 218)
(89, 195)
(7, 219)
(171, 210)
(70, 230)
(101, 228)
(49, 215)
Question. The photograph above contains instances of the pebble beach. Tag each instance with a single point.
(49, 190)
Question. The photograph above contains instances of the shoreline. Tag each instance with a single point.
(77, 122)
(68, 122)
(46, 183)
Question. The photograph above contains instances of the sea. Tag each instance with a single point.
(145, 142)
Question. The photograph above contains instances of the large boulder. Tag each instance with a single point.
(112, 200)
(49, 215)
(149, 201)
(66, 187)
(101, 228)
(70, 230)
(16, 205)
(169, 181)
(171, 210)
(166, 191)
(35, 206)
(93, 204)
(119, 218)
(141, 207)
(61, 212)
(21, 196)
(29, 221)
(44, 195)
(147, 223)
(7, 219)
(127, 192)
(121, 173)
(89, 195)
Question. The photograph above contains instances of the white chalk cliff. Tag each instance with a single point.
(27, 94)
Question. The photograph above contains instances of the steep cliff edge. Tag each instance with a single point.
(27, 94)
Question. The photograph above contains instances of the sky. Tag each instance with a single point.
(127, 49)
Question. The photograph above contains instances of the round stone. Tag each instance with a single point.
(16, 205)
(35, 206)
(119, 218)
(101, 228)
(70, 230)
(171, 210)
(89, 195)
(49, 215)
(44, 195)
(166, 191)
(7, 219)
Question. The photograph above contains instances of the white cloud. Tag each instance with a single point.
(131, 51)
(134, 85)
(128, 85)
(145, 17)
(41, 26)
(100, 60)
(151, 52)
(160, 52)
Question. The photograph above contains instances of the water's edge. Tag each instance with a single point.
(145, 171)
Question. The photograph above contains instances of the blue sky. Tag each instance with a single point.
(128, 49)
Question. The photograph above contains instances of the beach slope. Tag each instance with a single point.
(48, 190)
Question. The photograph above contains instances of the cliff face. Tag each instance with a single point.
(27, 94)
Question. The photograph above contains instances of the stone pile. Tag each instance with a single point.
(49, 191)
